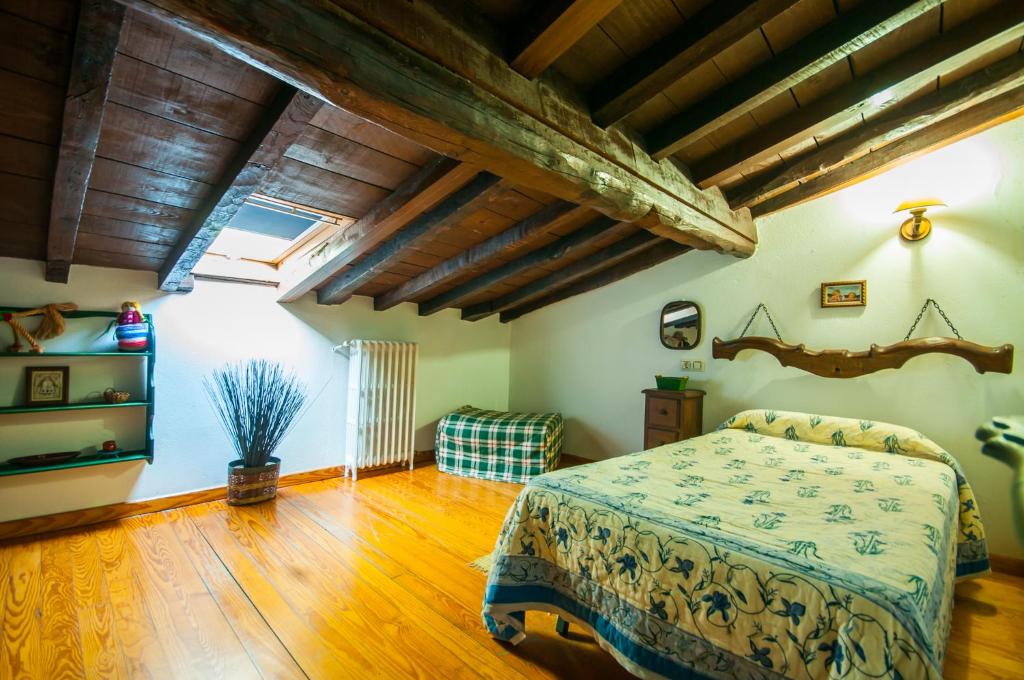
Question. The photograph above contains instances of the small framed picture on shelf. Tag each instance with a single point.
(844, 294)
(46, 385)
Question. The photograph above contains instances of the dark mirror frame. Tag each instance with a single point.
(661, 324)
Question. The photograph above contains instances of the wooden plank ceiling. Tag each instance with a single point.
(675, 117)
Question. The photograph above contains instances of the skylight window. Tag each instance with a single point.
(268, 230)
(265, 234)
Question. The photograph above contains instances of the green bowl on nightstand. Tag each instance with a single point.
(668, 382)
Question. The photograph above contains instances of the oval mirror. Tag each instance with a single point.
(680, 325)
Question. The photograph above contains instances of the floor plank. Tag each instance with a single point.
(102, 655)
(141, 644)
(333, 579)
(19, 652)
(60, 642)
(265, 650)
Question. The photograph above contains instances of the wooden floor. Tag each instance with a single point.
(332, 580)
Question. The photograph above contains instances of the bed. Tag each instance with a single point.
(780, 545)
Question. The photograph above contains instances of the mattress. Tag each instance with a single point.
(781, 545)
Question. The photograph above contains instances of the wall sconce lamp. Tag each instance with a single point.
(918, 226)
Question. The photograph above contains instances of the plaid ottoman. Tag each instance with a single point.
(505, 447)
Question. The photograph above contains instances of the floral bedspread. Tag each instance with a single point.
(781, 545)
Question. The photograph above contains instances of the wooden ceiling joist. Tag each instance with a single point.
(429, 224)
(656, 254)
(555, 28)
(429, 185)
(96, 39)
(882, 86)
(279, 126)
(470, 260)
(946, 131)
(841, 37)
(714, 29)
(992, 81)
(618, 251)
(548, 254)
(499, 126)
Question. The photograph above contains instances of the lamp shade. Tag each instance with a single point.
(920, 203)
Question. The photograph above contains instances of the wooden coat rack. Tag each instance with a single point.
(842, 363)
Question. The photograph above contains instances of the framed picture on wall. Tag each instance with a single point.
(46, 385)
(844, 294)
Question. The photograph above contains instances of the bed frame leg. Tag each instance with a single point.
(561, 626)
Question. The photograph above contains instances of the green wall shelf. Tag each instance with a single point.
(82, 461)
(33, 355)
(68, 407)
(148, 404)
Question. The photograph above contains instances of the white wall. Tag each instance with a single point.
(220, 322)
(590, 356)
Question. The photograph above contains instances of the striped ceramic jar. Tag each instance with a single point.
(132, 337)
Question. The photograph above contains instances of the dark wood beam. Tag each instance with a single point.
(882, 87)
(509, 126)
(92, 62)
(469, 260)
(421, 191)
(618, 251)
(557, 26)
(836, 40)
(700, 39)
(954, 128)
(992, 81)
(544, 255)
(280, 125)
(656, 254)
(430, 224)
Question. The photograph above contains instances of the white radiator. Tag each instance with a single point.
(381, 403)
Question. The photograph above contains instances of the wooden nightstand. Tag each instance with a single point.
(672, 416)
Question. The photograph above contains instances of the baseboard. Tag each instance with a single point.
(72, 519)
(569, 460)
(1003, 564)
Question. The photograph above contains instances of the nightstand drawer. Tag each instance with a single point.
(653, 437)
(663, 413)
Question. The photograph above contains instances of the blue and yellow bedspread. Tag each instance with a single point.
(781, 545)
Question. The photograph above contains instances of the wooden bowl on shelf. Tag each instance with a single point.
(112, 396)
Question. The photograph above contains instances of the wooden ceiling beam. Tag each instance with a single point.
(544, 255)
(279, 126)
(444, 89)
(992, 81)
(841, 37)
(946, 131)
(92, 63)
(616, 252)
(553, 30)
(430, 224)
(470, 260)
(700, 39)
(422, 190)
(656, 254)
(884, 86)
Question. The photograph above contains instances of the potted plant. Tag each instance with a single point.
(257, 403)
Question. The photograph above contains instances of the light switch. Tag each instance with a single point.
(697, 365)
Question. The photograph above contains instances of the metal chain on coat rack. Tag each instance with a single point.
(920, 314)
(757, 309)
(762, 307)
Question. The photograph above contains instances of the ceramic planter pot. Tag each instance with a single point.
(248, 485)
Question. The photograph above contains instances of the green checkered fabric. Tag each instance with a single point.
(505, 447)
